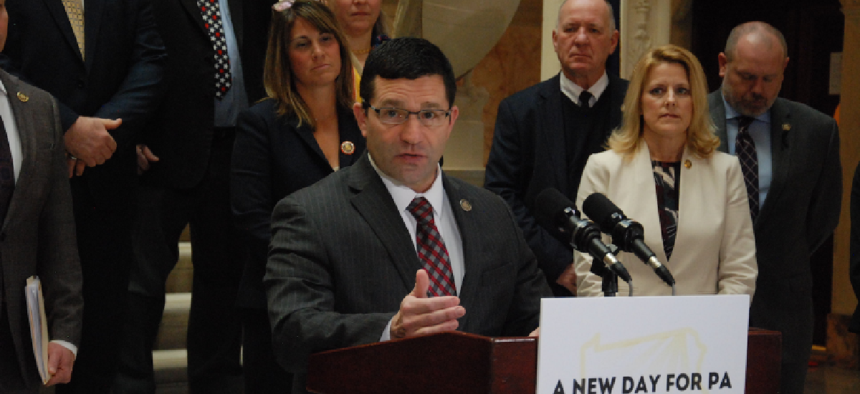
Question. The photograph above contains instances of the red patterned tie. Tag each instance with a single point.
(431, 249)
(745, 149)
(211, 11)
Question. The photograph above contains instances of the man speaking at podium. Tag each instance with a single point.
(350, 256)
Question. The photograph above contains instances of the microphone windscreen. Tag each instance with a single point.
(549, 206)
(600, 210)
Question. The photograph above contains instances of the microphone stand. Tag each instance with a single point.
(609, 284)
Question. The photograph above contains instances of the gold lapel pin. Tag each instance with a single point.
(466, 205)
(347, 147)
(688, 163)
(786, 127)
(23, 97)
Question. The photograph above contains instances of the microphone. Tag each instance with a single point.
(554, 210)
(626, 234)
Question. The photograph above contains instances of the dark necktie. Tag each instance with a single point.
(745, 149)
(431, 249)
(211, 11)
(585, 99)
(7, 173)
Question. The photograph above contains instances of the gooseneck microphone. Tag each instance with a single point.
(628, 235)
(554, 210)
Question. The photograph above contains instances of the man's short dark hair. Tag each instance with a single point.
(409, 58)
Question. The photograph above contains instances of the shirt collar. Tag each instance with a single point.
(731, 113)
(572, 90)
(403, 195)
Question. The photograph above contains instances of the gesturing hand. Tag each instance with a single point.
(420, 315)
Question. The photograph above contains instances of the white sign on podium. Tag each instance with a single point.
(638, 345)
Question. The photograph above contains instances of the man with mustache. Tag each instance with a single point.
(392, 247)
(545, 133)
(789, 155)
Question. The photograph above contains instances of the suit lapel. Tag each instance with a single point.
(718, 115)
(195, 15)
(27, 125)
(236, 19)
(93, 10)
(350, 132)
(62, 19)
(374, 204)
(617, 95)
(552, 132)
(781, 155)
(472, 261)
(642, 181)
(690, 202)
(306, 135)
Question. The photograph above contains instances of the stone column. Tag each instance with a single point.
(841, 345)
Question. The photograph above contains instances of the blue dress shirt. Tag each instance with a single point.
(236, 99)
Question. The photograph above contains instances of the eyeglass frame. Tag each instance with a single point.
(409, 113)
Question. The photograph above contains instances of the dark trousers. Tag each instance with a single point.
(776, 306)
(11, 381)
(214, 329)
(104, 245)
(263, 374)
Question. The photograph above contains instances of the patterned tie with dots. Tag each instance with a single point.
(431, 249)
(211, 12)
(76, 19)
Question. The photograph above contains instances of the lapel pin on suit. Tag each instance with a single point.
(23, 97)
(688, 163)
(347, 147)
(786, 126)
(466, 205)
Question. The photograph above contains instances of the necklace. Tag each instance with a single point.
(362, 51)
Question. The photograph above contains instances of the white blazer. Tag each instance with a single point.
(714, 247)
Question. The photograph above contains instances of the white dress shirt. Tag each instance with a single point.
(442, 214)
(11, 131)
(572, 90)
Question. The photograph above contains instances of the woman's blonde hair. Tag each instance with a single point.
(701, 139)
(278, 76)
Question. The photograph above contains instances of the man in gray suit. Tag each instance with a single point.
(37, 236)
(789, 154)
(346, 251)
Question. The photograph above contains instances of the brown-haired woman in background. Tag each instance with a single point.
(303, 132)
(663, 171)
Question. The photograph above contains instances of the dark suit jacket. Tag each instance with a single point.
(119, 78)
(38, 235)
(341, 262)
(272, 158)
(800, 212)
(529, 154)
(181, 131)
(854, 326)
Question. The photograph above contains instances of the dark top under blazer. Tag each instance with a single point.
(38, 234)
(800, 213)
(120, 77)
(273, 157)
(529, 154)
(341, 261)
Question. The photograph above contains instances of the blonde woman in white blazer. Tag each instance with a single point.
(663, 170)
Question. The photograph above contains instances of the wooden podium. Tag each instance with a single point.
(472, 364)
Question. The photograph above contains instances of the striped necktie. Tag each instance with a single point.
(745, 149)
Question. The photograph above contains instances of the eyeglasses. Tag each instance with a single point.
(427, 117)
